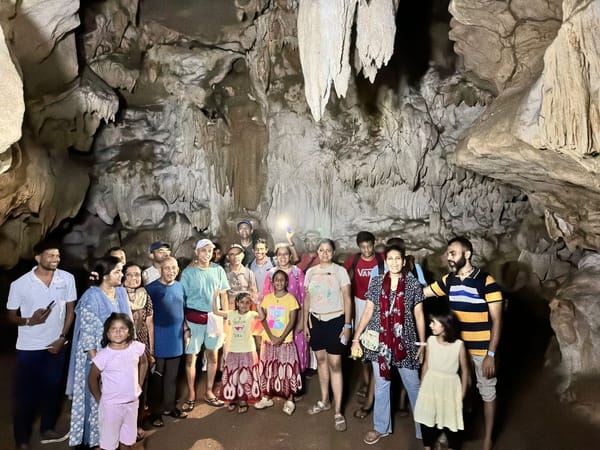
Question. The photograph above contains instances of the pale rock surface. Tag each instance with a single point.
(44, 186)
(324, 31)
(42, 39)
(12, 105)
(39, 192)
(86, 103)
(575, 319)
(549, 127)
(375, 33)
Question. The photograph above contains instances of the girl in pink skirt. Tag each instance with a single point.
(296, 288)
(279, 368)
(240, 382)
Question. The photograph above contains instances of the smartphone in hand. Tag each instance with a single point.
(51, 304)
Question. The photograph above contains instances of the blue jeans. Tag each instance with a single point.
(37, 382)
(382, 418)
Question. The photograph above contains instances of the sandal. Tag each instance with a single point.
(214, 401)
(188, 406)
(362, 392)
(231, 407)
(362, 412)
(158, 423)
(319, 407)
(339, 422)
(289, 407)
(178, 414)
(243, 408)
(140, 434)
(373, 436)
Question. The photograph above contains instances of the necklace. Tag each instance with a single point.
(466, 274)
(109, 293)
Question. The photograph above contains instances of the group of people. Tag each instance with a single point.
(273, 317)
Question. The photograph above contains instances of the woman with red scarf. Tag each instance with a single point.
(392, 323)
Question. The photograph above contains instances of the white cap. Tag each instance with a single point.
(203, 243)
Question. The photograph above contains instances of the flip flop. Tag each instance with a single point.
(362, 412)
(214, 401)
(158, 423)
(373, 436)
(243, 408)
(188, 406)
(231, 407)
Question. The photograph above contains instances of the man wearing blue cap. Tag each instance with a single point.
(201, 281)
(159, 251)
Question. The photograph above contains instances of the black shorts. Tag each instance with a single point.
(326, 335)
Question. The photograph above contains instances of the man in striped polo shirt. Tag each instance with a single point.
(476, 300)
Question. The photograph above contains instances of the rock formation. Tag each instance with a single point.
(171, 120)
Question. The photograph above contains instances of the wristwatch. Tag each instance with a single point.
(348, 326)
(491, 354)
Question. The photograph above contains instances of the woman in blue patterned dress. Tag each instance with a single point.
(94, 307)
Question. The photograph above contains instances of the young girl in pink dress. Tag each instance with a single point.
(279, 368)
(118, 365)
(240, 382)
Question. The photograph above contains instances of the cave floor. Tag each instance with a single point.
(532, 418)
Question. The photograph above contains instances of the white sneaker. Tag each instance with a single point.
(263, 403)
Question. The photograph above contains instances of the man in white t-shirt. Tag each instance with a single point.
(158, 252)
(41, 303)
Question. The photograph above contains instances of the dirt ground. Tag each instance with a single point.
(530, 417)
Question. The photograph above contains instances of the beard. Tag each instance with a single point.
(455, 266)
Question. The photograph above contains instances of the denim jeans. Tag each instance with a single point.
(382, 418)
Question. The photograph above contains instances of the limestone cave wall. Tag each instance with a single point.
(123, 122)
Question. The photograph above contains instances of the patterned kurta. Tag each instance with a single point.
(92, 310)
(413, 295)
(140, 314)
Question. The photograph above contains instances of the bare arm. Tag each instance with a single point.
(290, 325)
(39, 316)
(306, 312)
(266, 327)
(355, 349)
(260, 311)
(425, 365)
(59, 343)
(464, 369)
(364, 320)
(142, 369)
(253, 287)
(294, 258)
(420, 321)
(215, 306)
(347, 298)
(428, 292)
(150, 326)
(94, 382)
(489, 363)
